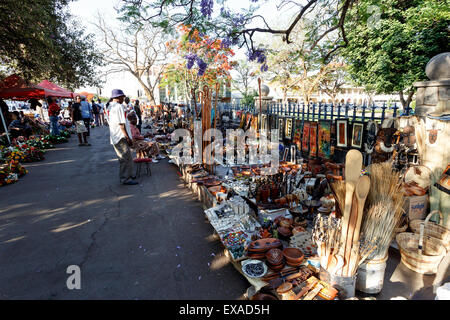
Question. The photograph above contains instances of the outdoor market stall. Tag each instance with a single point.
(320, 227)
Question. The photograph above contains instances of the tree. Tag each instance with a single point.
(244, 76)
(40, 40)
(142, 52)
(389, 53)
(238, 28)
(198, 61)
(302, 65)
(333, 82)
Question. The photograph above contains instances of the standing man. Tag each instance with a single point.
(53, 113)
(138, 111)
(120, 132)
(86, 113)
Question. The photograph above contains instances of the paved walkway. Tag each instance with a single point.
(131, 242)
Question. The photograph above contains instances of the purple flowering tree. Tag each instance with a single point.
(239, 28)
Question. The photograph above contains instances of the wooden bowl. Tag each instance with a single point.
(274, 257)
(293, 256)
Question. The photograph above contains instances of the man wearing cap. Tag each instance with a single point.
(120, 132)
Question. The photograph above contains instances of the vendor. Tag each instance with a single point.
(18, 127)
(145, 148)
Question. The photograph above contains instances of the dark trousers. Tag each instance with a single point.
(87, 123)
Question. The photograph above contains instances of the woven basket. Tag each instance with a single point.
(424, 261)
(434, 230)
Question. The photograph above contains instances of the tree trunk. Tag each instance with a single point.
(405, 103)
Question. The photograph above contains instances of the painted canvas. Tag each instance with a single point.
(313, 139)
(298, 134)
(324, 139)
(357, 134)
(341, 130)
(305, 137)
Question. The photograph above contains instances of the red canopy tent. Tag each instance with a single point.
(49, 85)
(16, 88)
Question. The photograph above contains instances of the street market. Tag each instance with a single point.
(196, 189)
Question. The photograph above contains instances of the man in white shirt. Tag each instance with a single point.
(120, 136)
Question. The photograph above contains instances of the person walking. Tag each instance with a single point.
(101, 114)
(86, 113)
(53, 113)
(120, 137)
(96, 112)
(77, 119)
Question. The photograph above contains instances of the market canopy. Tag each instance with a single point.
(88, 95)
(49, 85)
(16, 88)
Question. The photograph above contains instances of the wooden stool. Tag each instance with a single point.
(139, 162)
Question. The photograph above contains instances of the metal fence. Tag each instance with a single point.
(327, 111)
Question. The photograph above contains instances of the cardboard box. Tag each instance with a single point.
(416, 207)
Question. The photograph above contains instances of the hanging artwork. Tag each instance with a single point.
(298, 134)
(288, 129)
(324, 139)
(341, 131)
(305, 137)
(264, 120)
(254, 123)
(248, 121)
(281, 128)
(241, 125)
(313, 139)
(357, 134)
(371, 136)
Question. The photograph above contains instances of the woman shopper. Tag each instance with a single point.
(53, 113)
(80, 124)
(144, 147)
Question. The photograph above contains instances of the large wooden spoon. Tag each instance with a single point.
(361, 192)
(353, 165)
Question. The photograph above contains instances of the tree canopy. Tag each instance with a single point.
(39, 39)
(390, 42)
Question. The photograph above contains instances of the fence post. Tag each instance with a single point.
(308, 106)
(373, 111)
(332, 111)
(346, 110)
(395, 109)
(313, 111)
(303, 113)
(320, 111)
(364, 112)
(383, 112)
(354, 112)
(339, 110)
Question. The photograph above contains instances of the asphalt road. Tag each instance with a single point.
(148, 241)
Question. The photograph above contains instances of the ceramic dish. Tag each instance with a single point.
(260, 265)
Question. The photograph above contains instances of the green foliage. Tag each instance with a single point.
(40, 40)
(389, 54)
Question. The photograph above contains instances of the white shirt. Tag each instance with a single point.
(116, 117)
